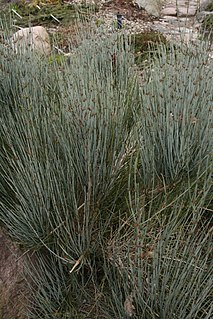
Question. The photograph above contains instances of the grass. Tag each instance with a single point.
(106, 178)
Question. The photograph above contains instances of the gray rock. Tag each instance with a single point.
(179, 10)
(152, 7)
(184, 11)
(169, 11)
(34, 38)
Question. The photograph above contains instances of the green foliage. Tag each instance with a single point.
(209, 7)
(168, 276)
(51, 287)
(70, 117)
(174, 126)
(145, 43)
(207, 23)
(106, 178)
(31, 14)
(57, 58)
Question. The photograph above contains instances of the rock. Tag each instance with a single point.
(183, 8)
(153, 7)
(169, 11)
(34, 38)
(179, 10)
(185, 11)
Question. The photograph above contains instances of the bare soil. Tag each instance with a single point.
(128, 9)
(13, 287)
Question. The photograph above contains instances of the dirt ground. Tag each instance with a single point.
(127, 9)
(13, 286)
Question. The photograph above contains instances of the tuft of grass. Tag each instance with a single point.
(107, 178)
(160, 270)
(175, 128)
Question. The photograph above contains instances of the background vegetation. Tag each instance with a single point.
(207, 24)
(106, 179)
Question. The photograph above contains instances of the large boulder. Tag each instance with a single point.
(152, 7)
(33, 38)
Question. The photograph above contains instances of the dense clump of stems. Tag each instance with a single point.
(107, 178)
